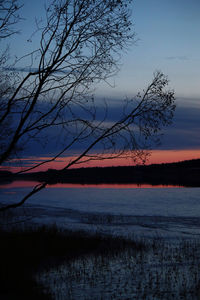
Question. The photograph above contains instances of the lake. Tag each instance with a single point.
(160, 217)
(116, 209)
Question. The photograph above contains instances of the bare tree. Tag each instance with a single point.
(80, 45)
(9, 17)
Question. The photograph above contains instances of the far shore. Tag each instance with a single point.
(185, 173)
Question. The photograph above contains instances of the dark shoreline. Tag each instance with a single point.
(185, 173)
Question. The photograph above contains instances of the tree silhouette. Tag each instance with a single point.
(9, 17)
(80, 45)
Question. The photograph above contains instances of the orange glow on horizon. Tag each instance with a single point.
(157, 157)
(169, 156)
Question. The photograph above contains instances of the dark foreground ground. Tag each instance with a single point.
(25, 252)
(46, 263)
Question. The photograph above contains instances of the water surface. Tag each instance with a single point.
(112, 208)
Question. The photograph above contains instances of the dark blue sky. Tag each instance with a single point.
(167, 40)
(183, 134)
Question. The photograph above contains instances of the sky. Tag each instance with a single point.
(167, 39)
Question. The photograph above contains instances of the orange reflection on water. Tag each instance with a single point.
(25, 184)
(19, 184)
(110, 186)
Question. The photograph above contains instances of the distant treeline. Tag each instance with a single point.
(185, 173)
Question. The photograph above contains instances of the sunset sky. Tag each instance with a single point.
(167, 40)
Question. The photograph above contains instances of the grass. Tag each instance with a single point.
(50, 263)
(159, 270)
(25, 253)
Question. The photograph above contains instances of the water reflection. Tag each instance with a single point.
(24, 184)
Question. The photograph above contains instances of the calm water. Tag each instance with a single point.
(170, 213)
(112, 208)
